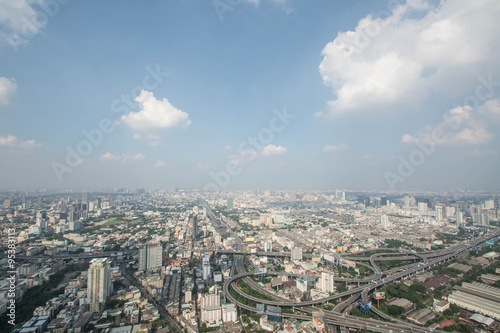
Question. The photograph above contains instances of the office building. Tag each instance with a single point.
(98, 284)
(326, 282)
(460, 220)
(268, 246)
(150, 257)
(439, 213)
(422, 207)
(489, 204)
(384, 221)
(206, 266)
(195, 227)
(41, 220)
(229, 203)
(211, 311)
(296, 254)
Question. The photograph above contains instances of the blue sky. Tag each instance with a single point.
(368, 85)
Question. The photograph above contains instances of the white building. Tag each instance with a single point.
(326, 282)
(206, 266)
(268, 246)
(384, 221)
(150, 257)
(422, 207)
(296, 254)
(229, 313)
(210, 309)
(98, 284)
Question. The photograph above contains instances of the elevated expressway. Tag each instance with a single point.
(427, 260)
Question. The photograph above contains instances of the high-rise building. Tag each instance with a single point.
(210, 307)
(296, 254)
(422, 207)
(41, 220)
(98, 284)
(150, 257)
(195, 227)
(268, 246)
(206, 266)
(217, 239)
(485, 218)
(489, 204)
(326, 282)
(384, 221)
(475, 213)
(460, 220)
(439, 213)
(383, 201)
(229, 203)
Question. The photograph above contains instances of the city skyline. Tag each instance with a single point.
(256, 94)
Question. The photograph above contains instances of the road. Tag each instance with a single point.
(163, 313)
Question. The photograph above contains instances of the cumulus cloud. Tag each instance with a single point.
(394, 60)
(271, 150)
(11, 141)
(8, 88)
(461, 125)
(19, 21)
(248, 155)
(160, 163)
(155, 114)
(123, 158)
(243, 157)
(137, 136)
(330, 148)
(110, 157)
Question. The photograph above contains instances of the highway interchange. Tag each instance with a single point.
(379, 279)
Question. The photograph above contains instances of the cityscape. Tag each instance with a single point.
(241, 166)
(130, 260)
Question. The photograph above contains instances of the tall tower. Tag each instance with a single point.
(98, 284)
(206, 266)
(150, 257)
(195, 227)
(460, 219)
(384, 221)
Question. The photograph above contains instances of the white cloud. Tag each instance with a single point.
(19, 21)
(154, 143)
(160, 163)
(138, 156)
(11, 141)
(137, 136)
(462, 125)
(155, 113)
(248, 155)
(110, 157)
(202, 166)
(228, 147)
(393, 61)
(123, 158)
(243, 157)
(341, 147)
(271, 150)
(480, 153)
(8, 88)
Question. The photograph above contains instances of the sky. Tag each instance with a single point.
(368, 94)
